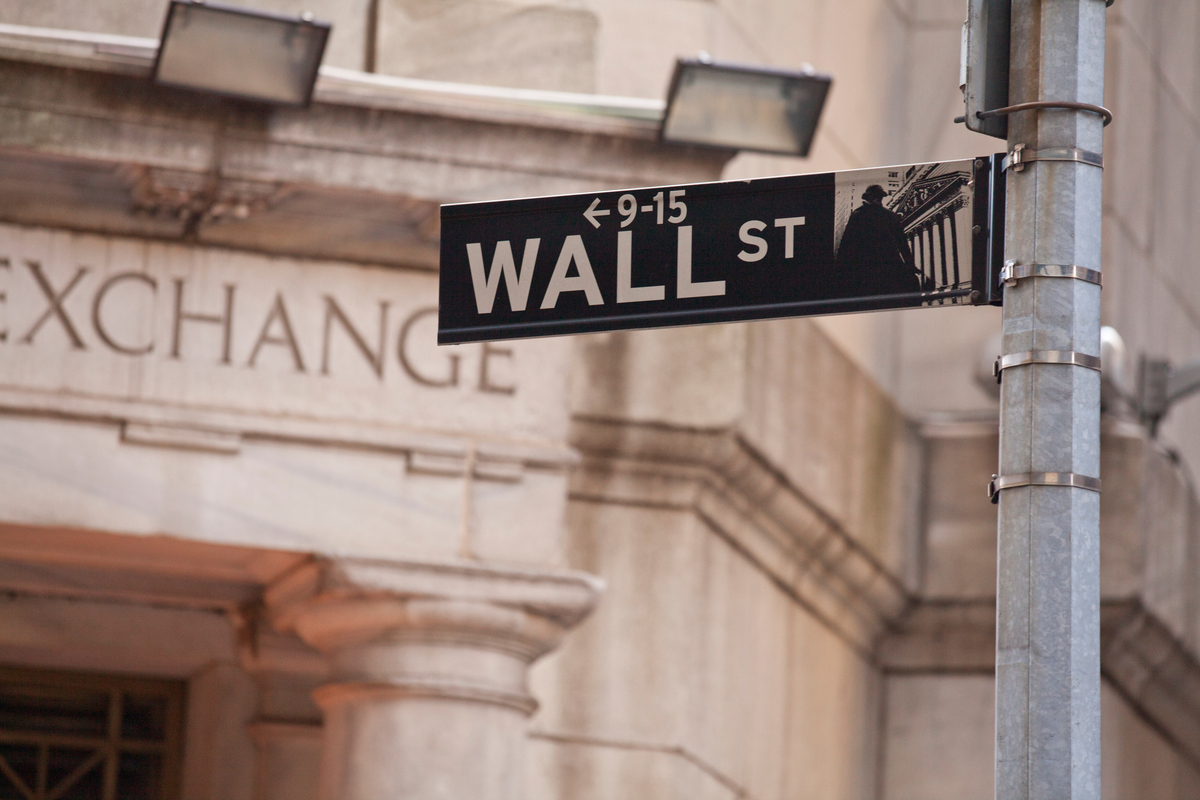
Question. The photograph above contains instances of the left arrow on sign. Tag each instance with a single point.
(591, 213)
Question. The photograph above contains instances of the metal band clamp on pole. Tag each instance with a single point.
(1069, 479)
(1012, 272)
(1068, 357)
(1020, 156)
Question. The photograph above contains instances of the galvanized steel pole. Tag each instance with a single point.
(1048, 584)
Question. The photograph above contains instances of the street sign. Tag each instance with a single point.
(801, 245)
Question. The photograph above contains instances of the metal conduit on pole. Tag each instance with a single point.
(1048, 583)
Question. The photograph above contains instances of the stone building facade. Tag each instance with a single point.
(261, 538)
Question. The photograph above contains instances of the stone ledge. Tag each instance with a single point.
(227, 431)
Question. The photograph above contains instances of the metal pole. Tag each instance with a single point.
(1048, 582)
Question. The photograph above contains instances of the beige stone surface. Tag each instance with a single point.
(694, 665)
(913, 44)
(960, 522)
(794, 396)
(640, 66)
(938, 371)
(345, 502)
(939, 744)
(1137, 762)
(938, 737)
(532, 45)
(1130, 145)
(691, 377)
(1179, 37)
(144, 18)
(1149, 625)
(1152, 148)
(88, 143)
(598, 768)
(1147, 521)
(836, 435)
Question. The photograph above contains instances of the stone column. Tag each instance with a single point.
(428, 696)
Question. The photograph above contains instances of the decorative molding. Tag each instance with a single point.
(456, 466)
(182, 438)
(131, 158)
(1156, 673)
(213, 430)
(723, 479)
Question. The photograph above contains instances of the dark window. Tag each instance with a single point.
(68, 736)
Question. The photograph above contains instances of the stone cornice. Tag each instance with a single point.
(358, 176)
(721, 477)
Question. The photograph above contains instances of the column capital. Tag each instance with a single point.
(394, 628)
(316, 599)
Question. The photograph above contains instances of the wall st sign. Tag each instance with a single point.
(798, 245)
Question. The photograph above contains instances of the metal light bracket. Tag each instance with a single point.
(1020, 156)
(1067, 357)
(1071, 480)
(1012, 272)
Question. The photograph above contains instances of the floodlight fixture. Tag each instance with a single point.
(743, 107)
(238, 52)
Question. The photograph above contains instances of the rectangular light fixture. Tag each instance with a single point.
(237, 52)
(743, 108)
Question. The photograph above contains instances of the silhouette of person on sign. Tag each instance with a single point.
(874, 256)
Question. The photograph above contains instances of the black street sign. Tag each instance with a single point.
(800, 245)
